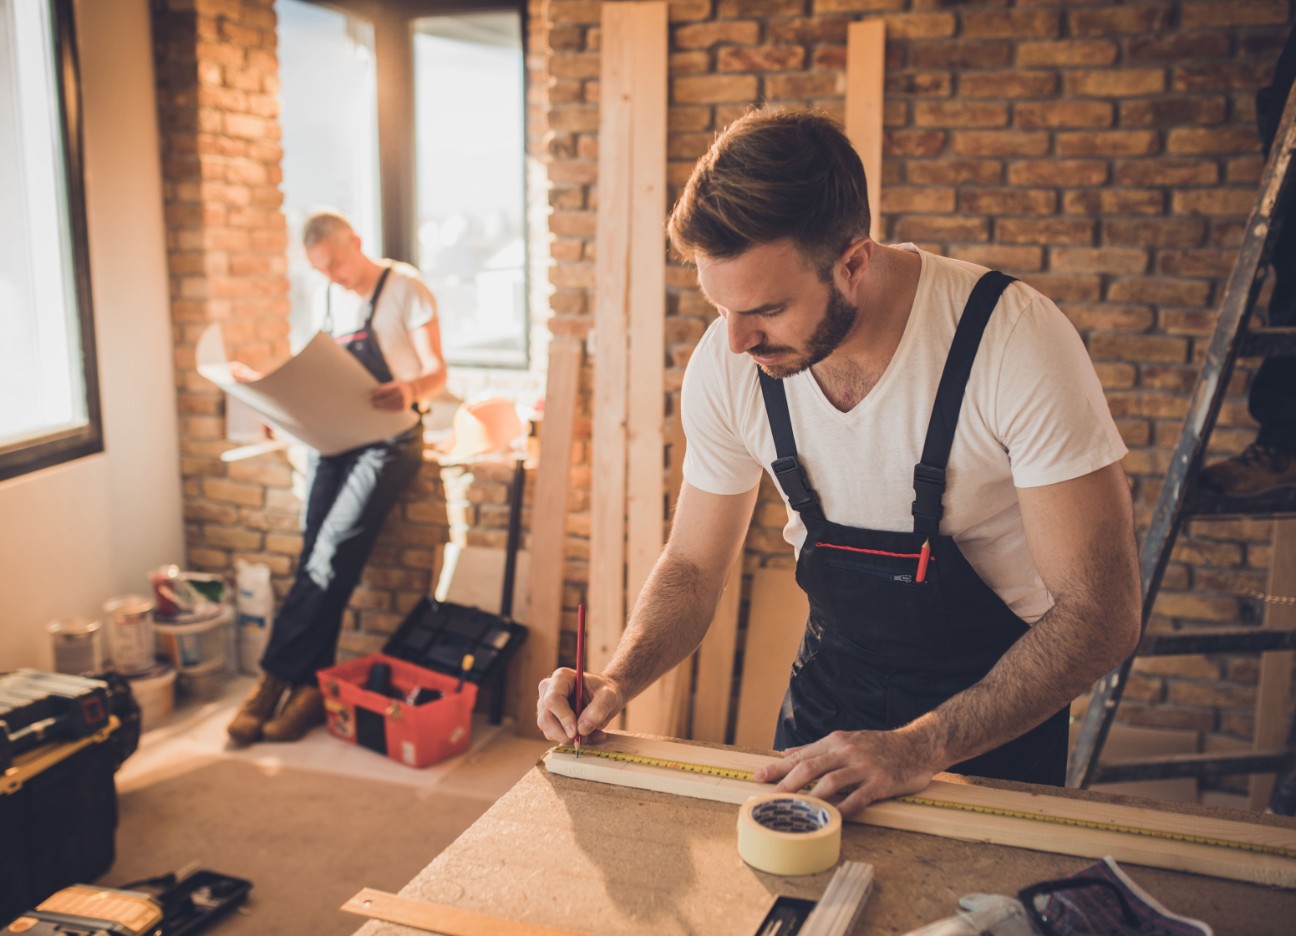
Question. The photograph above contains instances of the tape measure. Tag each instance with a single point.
(731, 773)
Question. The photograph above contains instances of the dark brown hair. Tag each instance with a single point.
(773, 175)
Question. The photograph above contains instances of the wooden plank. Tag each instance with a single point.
(865, 62)
(439, 918)
(538, 654)
(1038, 821)
(606, 613)
(775, 621)
(1273, 699)
(474, 576)
(656, 710)
(842, 902)
(715, 664)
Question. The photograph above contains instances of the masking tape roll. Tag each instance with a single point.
(789, 833)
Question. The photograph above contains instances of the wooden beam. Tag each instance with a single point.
(439, 918)
(865, 64)
(657, 709)
(776, 619)
(842, 903)
(714, 696)
(538, 654)
(1273, 712)
(1052, 823)
(606, 613)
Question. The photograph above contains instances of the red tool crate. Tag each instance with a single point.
(417, 735)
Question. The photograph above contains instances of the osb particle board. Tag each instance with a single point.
(590, 858)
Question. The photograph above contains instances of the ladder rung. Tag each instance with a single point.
(1240, 639)
(1207, 506)
(1267, 342)
(1195, 765)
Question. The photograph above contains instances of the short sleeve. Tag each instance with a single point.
(715, 458)
(420, 305)
(1051, 414)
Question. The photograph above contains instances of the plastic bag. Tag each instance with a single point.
(255, 613)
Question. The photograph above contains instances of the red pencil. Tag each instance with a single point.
(924, 555)
(580, 669)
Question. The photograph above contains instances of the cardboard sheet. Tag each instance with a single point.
(320, 396)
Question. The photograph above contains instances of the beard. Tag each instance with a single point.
(838, 318)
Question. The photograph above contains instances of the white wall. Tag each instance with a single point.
(74, 535)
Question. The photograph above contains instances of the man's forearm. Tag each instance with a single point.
(668, 622)
(1080, 638)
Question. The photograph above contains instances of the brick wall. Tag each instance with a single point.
(217, 77)
(1105, 154)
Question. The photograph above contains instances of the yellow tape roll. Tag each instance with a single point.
(789, 833)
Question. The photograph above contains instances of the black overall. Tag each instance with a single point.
(350, 496)
(880, 648)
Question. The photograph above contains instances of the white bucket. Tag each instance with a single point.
(203, 682)
(130, 633)
(195, 644)
(154, 690)
(76, 646)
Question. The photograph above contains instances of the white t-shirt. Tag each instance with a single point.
(404, 305)
(1033, 414)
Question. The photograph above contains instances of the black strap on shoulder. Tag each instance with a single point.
(788, 472)
(929, 473)
(327, 324)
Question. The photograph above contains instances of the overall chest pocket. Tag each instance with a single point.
(906, 568)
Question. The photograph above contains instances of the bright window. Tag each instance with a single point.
(329, 117)
(470, 146)
(49, 399)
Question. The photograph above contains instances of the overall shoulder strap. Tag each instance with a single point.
(787, 470)
(929, 473)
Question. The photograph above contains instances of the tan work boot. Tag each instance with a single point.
(302, 712)
(1258, 470)
(257, 708)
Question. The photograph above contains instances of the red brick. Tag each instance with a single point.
(575, 11)
(1108, 143)
(687, 63)
(679, 10)
(1142, 20)
(960, 114)
(1173, 111)
(953, 171)
(810, 30)
(903, 199)
(1008, 84)
(1066, 52)
(1169, 172)
(960, 54)
(1007, 201)
(1230, 140)
(1035, 115)
(925, 83)
(1001, 257)
(1201, 263)
(855, 6)
(804, 85)
(1097, 260)
(1162, 291)
(1115, 201)
(1062, 288)
(760, 58)
(1008, 24)
(1188, 322)
(740, 9)
(1222, 76)
(1177, 377)
(829, 58)
(1217, 201)
(920, 228)
(1235, 13)
(1058, 172)
(1110, 316)
(1000, 142)
(920, 25)
(913, 142)
(705, 35)
(1044, 231)
(714, 88)
(1245, 169)
(1149, 232)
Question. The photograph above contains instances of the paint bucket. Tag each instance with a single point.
(76, 646)
(130, 633)
(154, 690)
(195, 640)
(203, 682)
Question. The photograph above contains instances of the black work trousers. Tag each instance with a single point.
(350, 497)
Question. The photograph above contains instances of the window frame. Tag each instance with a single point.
(57, 447)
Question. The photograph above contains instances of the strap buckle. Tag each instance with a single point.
(929, 489)
(792, 479)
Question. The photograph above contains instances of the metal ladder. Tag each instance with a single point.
(1179, 498)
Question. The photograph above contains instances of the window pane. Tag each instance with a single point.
(471, 235)
(42, 382)
(329, 115)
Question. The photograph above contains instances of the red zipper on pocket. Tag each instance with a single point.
(871, 552)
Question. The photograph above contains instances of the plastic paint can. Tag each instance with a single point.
(76, 646)
(154, 690)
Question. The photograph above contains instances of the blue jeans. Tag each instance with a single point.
(350, 497)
